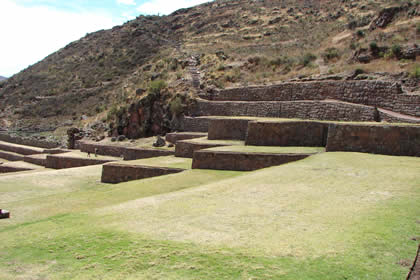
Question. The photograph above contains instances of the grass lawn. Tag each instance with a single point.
(165, 161)
(268, 149)
(330, 216)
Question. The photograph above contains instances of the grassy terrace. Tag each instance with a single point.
(269, 150)
(78, 154)
(268, 119)
(138, 143)
(330, 216)
(205, 140)
(165, 161)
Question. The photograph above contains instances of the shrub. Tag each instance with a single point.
(416, 71)
(360, 33)
(157, 86)
(396, 50)
(373, 47)
(308, 58)
(176, 106)
(418, 28)
(330, 54)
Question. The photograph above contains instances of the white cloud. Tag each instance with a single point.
(164, 7)
(31, 33)
(126, 2)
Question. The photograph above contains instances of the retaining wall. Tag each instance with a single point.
(20, 149)
(195, 124)
(384, 139)
(234, 129)
(139, 153)
(187, 148)
(179, 136)
(10, 169)
(241, 161)
(116, 173)
(61, 162)
(383, 94)
(28, 141)
(311, 110)
(11, 156)
(293, 133)
(105, 150)
(36, 159)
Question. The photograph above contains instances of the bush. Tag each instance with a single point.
(373, 47)
(396, 50)
(418, 28)
(157, 86)
(360, 33)
(330, 54)
(176, 106)
(308, 58)
(416, 71)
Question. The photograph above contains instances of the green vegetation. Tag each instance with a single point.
(330, 54)
(266, 149)
(157, 86)
(165, 161)
(307, 59)
(416, 71)
(331, 216)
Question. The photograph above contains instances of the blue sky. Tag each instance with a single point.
(33, 29)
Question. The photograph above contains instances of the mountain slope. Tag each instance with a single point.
(218, 44)
(2, 78)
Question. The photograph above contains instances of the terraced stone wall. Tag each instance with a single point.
(233, 129)
(293, 133)
(23, 150)
(138, 153)
(241, 161)
(313, 110)
(382, 94)
(116, 173)
(28, 141)
(10, 169)
(105, 150)
(195, 124)
(376, 139)
(62, 162)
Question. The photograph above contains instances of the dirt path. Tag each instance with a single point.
(415, 269)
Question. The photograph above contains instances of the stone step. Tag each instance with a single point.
(249, 158)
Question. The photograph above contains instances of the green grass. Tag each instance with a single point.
(165, 161)
(267, 149)
(205, 140)
(330, 216)
(269, 119)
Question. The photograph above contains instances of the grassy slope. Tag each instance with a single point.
(166, 161)
(267, 149)
(331, 216)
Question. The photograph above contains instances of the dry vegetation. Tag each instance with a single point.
(238, 42)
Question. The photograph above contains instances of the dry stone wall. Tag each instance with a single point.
(313, 110)
(10, 156)
(382, 94)
(241, 161)
(28, 141)
(290, 133)
(233, 129)
(116, 173)
(20, 149)
(376, 139)
(62, 162)
(195, 124)
(138, 153)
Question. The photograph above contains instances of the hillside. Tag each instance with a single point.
(2, 78)
(145, 63)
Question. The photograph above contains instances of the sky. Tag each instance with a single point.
(30, 30)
